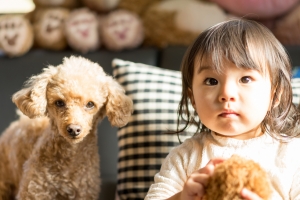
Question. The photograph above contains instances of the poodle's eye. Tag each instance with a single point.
(90, 105)
(60, 103)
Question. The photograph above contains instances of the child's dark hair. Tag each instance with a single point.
(248, 45)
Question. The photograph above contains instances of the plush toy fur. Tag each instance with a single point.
(287, 27)
(179, 22)
(234, 174)
(101, 5)
(136, 6)
(49, 28)
(57, 3)
(82, 31)
(16, 35)
(54, 155)
(121, 29)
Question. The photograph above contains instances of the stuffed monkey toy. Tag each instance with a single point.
(16, 35)
(121, 29)
(234, 174)
(49, 28)
(82, 31)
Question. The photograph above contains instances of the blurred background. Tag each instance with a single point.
(115, 25)
(16, 6)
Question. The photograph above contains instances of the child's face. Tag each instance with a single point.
(232, 103)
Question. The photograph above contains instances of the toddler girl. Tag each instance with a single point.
(237, 77)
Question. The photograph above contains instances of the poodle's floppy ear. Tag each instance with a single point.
(119, 107)
(31, 100)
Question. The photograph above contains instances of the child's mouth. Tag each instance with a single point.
(228, 114)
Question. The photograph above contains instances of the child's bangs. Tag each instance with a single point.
(238, 44)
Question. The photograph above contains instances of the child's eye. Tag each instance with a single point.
(210, 81)
(246, 79)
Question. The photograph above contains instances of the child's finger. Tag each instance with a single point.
(248, 195)
(200, 178)
(216, 161)
(210, 166)
(194, 186)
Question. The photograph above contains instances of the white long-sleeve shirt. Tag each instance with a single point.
(280, 160)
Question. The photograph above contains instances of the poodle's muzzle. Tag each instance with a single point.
(74, 130)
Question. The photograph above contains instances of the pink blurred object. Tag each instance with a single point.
(258, 9)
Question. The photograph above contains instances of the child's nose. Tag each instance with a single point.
(228, 92)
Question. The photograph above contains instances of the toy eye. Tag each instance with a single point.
(90, 105)
(60, 103)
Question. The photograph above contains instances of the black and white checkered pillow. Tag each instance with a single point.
(146, 140)
(296, 90)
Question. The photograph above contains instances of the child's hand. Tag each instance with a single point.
(194, 187)
(248, 195)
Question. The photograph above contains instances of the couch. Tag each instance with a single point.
(14, 71)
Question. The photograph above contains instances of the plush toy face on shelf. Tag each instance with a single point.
(122, 30)
(81, 30)
(16, 35)
(49, 28)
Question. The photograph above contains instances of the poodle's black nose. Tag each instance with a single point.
(74, 130)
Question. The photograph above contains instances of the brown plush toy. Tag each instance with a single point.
(82, 31)
(121, 29)
(57, 3)
(136, 6)
(234, 174)
(179, 22)
(287, 29)
(16, 35)
(101, 5)
(49, 28)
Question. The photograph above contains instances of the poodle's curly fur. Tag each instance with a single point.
(234, 174)
(54, 155)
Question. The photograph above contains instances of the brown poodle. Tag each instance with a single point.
(234, 174)
(54, 155)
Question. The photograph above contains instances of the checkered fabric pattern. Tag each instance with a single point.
(146, 140)
(296, 90)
